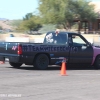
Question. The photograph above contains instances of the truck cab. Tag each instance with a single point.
(80, 50)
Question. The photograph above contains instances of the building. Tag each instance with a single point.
(90, 26)
(96, 25)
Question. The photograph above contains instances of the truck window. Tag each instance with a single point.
(78, 41)
(60, 39)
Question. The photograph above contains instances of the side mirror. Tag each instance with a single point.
(89, 44)
(73, 36)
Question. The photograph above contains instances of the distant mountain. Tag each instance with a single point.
(5, 24)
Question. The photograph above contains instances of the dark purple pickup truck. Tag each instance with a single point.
(56, 46)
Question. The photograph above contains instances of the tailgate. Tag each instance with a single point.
(7, 48)
(11, 51)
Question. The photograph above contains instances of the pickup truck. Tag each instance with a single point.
(56, 46)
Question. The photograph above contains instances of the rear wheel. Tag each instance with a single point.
(97, 62)
(41, 62)
(15, 65)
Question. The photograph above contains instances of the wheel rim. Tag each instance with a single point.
(42, 62)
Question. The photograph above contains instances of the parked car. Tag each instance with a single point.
(11, 35)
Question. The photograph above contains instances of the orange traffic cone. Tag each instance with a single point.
(2, 62)
(63, 69)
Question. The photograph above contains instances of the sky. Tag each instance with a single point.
(17, 9)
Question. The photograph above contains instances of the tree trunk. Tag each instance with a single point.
(65, 26)
(79, 26)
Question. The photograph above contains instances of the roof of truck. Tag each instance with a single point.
(63, 32)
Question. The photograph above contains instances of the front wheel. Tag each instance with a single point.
(41, 62)
(97, 62)
(15, 65)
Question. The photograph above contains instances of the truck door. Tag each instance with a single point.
(80, 50)
(58, 54)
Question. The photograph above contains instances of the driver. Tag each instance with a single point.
(57, 38)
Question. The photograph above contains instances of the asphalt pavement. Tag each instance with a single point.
(26, 83)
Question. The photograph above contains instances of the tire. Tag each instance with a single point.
(15, 65)
(41, 62)
(97, 62)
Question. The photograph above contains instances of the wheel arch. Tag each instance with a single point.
(48, 55)
(96, 59)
